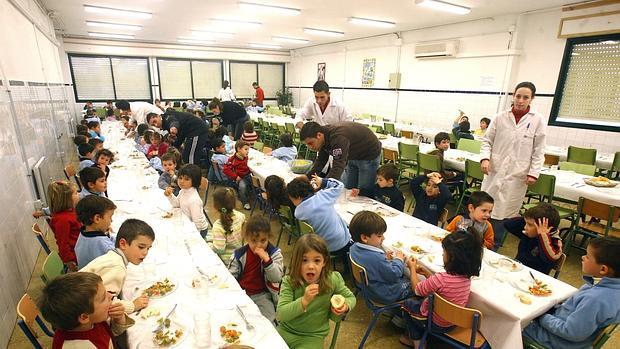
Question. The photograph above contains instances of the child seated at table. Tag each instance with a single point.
(305, 307)
(287, 151)
(462, 257)
(144, 142)
(317, 209)
(169, 175)
(237, 170)
(442, 144)
(387, 282)
(133, 241)
(431, 200)
(188, 199)
(385, 190)
(63, 197)
(540, 245)
(80, 139)
(102, 159)
(484, 125)
(94, 130)
(93, 181)
(219, 156)
(248, 133)
(462, 130)
(226, 235)
(86, 155)
(81, 311)
(477, 217)
(97, 143)
(275, 193)
(258, 266)
(222, 133)
(95, 214)
(157, 148)
(578, 321)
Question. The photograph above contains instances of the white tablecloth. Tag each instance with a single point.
(177, 252)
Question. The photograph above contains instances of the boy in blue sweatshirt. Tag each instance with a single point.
(287, 151)
(385, 190)
(95, 213)
(575, 323)
(219, 156)
(431, 200)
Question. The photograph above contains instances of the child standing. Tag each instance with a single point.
(462, 256)
(384, 190)
(168, 177)
(430, 201)
(287, 151)
(78, 307)
(248, 133)
(304, 308)
(236, 169)
(219, 156)
(86, 155)
(579, 320)
(93, 182)
(258, 266)
(479, 207)
(226, 235)
(157, 148)
(95, 214)
(64, 223)
(188, 199)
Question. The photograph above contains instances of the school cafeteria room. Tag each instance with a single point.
(310, 174)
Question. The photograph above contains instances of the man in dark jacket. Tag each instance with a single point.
(189, 130)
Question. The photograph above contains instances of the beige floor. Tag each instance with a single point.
(383, 336)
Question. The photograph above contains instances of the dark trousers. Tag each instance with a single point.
(237, 127)
(193, 149)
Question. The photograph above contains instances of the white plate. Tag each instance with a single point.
(524, 284)
(149, 339)
(150, 283)
(504, 264)
(246, 335)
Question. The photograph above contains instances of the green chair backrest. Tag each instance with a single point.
(258, 146)
(52, 267)
(429, 162)
(374, 129)
(389, 128)
(290, 128)
(584, 169)
(544, 185)
(305, 228)
(453, 139)
(408, 151)
(470, 145)
(472, 169)
(615, 166)
(581, 155)
(178, 109)
(364, 116)
(101, 113)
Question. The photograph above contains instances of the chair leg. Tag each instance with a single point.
(279, 236)
(375, 316)
(33, 340)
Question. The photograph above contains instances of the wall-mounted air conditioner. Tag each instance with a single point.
(436, 49)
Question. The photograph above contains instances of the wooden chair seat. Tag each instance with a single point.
(599, 229)
(463, 335)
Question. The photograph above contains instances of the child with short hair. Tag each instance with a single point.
(97, 143)
(222, 133)
(157, 148)
(102, 159)
(133, 241)
(387, 282)
(258, 266)
(79, 140)
(237, 170)
(95, 214)
(78, 306)
(478, 213)
(287, 151)
(540, 245)
(81, 128)
(86, 155)
(94, 182)
(144, 142)
(462, 257)
(317, 209)
(442, 144)
(385, 190)
(462, 130)
(189, 200)
(168, 177)
(226, 235)
(576, 322)
(484, 125)
(64, 223)
(248, 133)
(430, 201)
(94, 129)
(305, 305)
(219, 156)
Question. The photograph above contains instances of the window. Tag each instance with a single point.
(270, 77)
(207, 78)
(588, 90)
(102, 78)
(189, 79)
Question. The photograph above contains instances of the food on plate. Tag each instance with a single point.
(196, 282)
(523, 298)
(149, 312)
(160, 288)
(438, 238)
(460, 159)
(505, 264)
(431, 258)
(539, 288)
(165, 336)
(600, 182)
(416, 249)
(384, 212)
(337, 301)
(600, 179)
(397, 244)
(167, 215)
(230, 335)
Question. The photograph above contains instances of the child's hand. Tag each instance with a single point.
(400, 255)
(420, 269)
(238, 179)
(309, 294)
(542, 226)
(340, 311)
(412, 263)
(116, 310)
(71, 266)
(171, 172)
(316, 182)
(168, 191)
(37, 214)
(262, 254)
(140, 302)
(355, 192)
(389, 255)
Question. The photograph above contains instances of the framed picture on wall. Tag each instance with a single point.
(368, 72)
(320, 71)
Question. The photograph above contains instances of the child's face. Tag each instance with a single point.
(155, 141)
(221, 149)
(589, 266)
(243, 151)
(382, 182)
(530, 229)
(75, 197)
(481, 213)
(103, 160)
(483, 125)
(101, 303)
(312, 264)
(103, 222)
(169, 165)
(98, 147)
(259, 241)
(100, 185)
(375, 239)
(89, 155)
(97, 129)
(184, 182)
(431, 189)
(443, 145)
(137, 250)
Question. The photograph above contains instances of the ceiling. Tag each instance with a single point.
(172, 20)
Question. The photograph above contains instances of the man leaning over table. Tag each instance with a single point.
(137, 110)
(322, 108)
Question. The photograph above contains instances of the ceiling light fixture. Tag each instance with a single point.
(117, 12)
(111, 35)
(288, 11)
(248, 24)
(371, 22)
(113, 25)
(444, 6)
(192, 41)
(289, 40)
(276, 47)
(331, 33)
(208, 33)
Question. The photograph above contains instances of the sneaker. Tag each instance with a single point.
(246, 206)
(398, 321)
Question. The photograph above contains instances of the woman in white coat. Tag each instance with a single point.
(226, 93)
(512, 156)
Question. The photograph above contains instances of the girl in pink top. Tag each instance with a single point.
(462, 256)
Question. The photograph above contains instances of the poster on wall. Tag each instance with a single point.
(320, 72)
(368, 72)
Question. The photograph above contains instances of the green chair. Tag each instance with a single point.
(588, 170)
(101, 113)
(52, 267)
(407, 160)
(335, 335)
(290, 128)
(543, 190)
(288, 223)
(615, 167)
(581, 155)
(305, 228)
(258, 146)
(473, 171)
(374, 129)
(453, 140)
(598, 342)
(390, 128)
(600, 212)
(470, 145)
(258, 125)
(428, 162)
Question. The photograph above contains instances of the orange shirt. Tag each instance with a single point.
(489, 235)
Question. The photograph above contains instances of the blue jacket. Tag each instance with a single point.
(318, 211)
(386, 281)
(575, 323)
(428, 208)
(285, 153)
(90, 245)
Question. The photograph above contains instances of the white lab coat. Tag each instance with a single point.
(139, 111)
(335, 112)
(226, 94)
(515, 151)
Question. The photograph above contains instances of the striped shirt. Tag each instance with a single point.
(250, 137)
(453, 288)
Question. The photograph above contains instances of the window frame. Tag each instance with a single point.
(283, 65)
(109, 57)
(557, 100)
(191, 74)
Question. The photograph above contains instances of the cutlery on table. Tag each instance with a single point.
(247, 324)
(164, 321)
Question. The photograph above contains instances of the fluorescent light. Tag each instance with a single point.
(248, 24)
(444, 6)
(323, 32)
(113, 25)
(609, 42)
(289, 40)
(371, 22)
(117, 12)
(207, 33)
(265, 46)
(288, 11)
(192, 41)
(111, 36)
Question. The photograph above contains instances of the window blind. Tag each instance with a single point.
(175, 81)
(131, 78)
(207, 79)
(92, 78)
(242, 75)
(271, 78)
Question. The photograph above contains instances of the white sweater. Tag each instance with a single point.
(112, 267)
(191, 205)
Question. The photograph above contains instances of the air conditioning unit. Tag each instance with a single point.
(436, 49)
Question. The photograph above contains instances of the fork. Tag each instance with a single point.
(164, 321)
(247, 324)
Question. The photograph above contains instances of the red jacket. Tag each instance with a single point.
(260, 96)
(161, 150)
(66, 230)
(236, 167)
